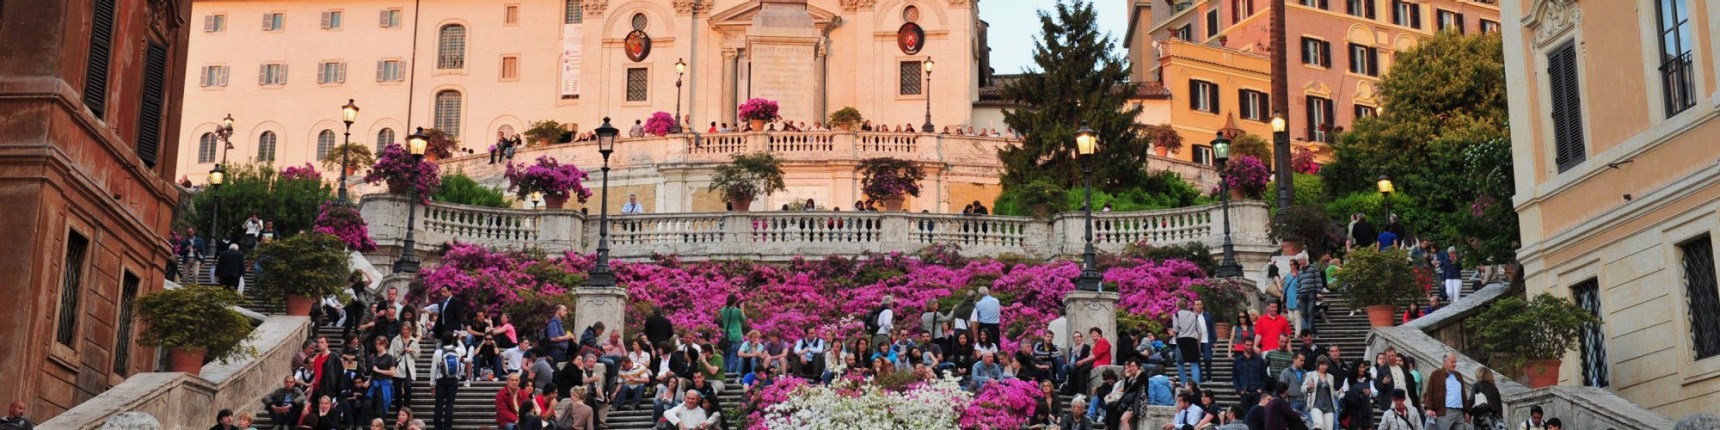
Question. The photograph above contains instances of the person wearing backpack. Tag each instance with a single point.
(732, 320)
(880, 322)
(446, 372)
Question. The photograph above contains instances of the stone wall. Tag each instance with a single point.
(182, 401)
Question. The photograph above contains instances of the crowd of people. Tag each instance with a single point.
(230, 257)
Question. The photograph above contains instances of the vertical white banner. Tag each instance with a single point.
(570, 60)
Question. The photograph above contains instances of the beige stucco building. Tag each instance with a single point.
(1613, 122)
(477, 68)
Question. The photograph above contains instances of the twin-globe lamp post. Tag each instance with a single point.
(349, 114)
(415, 144)
(1221, 154)
(1086, 144)
(601, 275)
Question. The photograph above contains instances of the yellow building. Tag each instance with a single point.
(1613, 123)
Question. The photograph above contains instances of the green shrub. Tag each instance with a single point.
(1366, 203)
(1042, 192)
(458, 188)
(1252, 144)
(1539, 329)
(1193, 252)
(309, 265)
(257, 188)
(846, 116)
(1309, 226)
(1310, 190)
(196, 317)
(1372, 277)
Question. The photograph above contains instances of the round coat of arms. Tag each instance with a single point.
(911, 38)
(638, 45)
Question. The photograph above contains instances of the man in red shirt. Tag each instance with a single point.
(1101, 348)
(1267, 329)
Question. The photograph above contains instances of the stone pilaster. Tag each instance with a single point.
(591, 305)
(1087, 309)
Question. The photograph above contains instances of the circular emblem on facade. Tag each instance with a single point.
(638, 45)
(911, 38)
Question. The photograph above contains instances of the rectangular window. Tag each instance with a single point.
(331, 20)
(1594, 339)
(510, 68)
(1702, 295)
(1319, 116)
(511, 14)
(1212, 23)
(1488, 26)
(1185, 33)
(1253, 105)
(1449, 20)
(1203, 96)
(1361, 8)
(388, 71)
(330, 72)
(213, 76)
(575, 13)
(214, 23)
(1406, 14)
(150, 112)
(911, 79)
(1677, 82)
(1202, 154)
(1364, 60)
(1366, 112)
(637, 84)
(272, 74)
(390, 18)
(274, 21)
(1567, 106)
(1320, 4)
(71, 285)
(1316, 52)
(122, 345)
(101, 44)
(1240, 9)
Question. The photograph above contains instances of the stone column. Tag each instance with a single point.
(1087, 309)
(591, 305)
(731, 68)
(819, 66)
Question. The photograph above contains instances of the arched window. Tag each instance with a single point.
(506, 130)
(448, 112)
(383, 138)
(451, 47)
(266, 147)
(325, 143)
(206, 148)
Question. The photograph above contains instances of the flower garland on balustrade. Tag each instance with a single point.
(759, 109)
(659, 124)
(344, 222)
(295, 172)
(548, 176)
(396, 167)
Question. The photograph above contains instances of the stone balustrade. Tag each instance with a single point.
(781, 236)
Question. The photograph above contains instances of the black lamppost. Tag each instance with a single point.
(408, 263)
(225, 132)
(349, 113)
(680, 69)
(1086, 143)
(1281, 160)
(928, 127)
(1386, 190)
(1221, 153)
(601, 275)
(216, 176)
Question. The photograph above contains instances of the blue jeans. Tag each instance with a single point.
(1096, 406)
(1206, 356)
(731, 363)
(1299, 406)
(1307, 314)
(631, 395)
(1183, 369)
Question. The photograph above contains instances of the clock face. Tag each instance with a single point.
(911, 38)
(638, 45)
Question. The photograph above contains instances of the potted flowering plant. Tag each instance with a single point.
(344, 223)
(1535, 333)
(397, 168)
(544, 132)
(439, 144)
(1247, 176)
(887, 180)
(1165, 139)
(1377, 281)
(846, 118)
(758, 112)
(659, 124)
(293, 173)
(556, 181)
(305, 267)
(746, 177)
(195, 322)
(357, 156)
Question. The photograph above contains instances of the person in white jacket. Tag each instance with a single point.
(1400, 416)
(1322, 395)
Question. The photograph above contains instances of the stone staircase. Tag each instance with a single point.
(254, 299)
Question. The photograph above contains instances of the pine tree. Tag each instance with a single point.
(1080, 78)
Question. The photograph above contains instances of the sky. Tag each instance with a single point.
(1015, 25)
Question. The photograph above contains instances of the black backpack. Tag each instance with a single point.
(872, 320)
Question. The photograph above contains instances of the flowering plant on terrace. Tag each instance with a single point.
(759, 109)
(659, 124)
(1006, 404)
(548, 176)
(345, 223)
(886, 178)
(295, 172)
(1247, 175)
(397, 168)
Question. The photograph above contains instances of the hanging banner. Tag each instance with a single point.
(570, 60)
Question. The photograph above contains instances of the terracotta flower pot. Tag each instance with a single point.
(186, 360)
(1222, 330)
(740, 205)
(1236, 194)
(1542, 373)
(555, 202)
(1161, 151)
(893, 204)
(757, 124)
(298, 306)
(1381, 315)
(397, 187)
(845, 127)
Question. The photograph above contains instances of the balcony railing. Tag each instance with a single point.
(1678, 86)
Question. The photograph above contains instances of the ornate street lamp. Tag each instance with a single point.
(1386, 190)
(225, 132)
(680, 69)
(928, 90)
(1086, 144)
(1281, 160)
(415, 144)
(216, 177)
(349, 113)
(601, 275)
(1221, 154)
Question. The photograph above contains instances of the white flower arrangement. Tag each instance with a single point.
(845, 405)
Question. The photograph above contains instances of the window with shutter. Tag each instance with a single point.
(101, 43)
(1252, 105)
(208, 23)
(510, 68)
(326, 19)
(1211, 23)
(1203, 96)
(1319, 114)
(1567, 111)
(334, 18)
